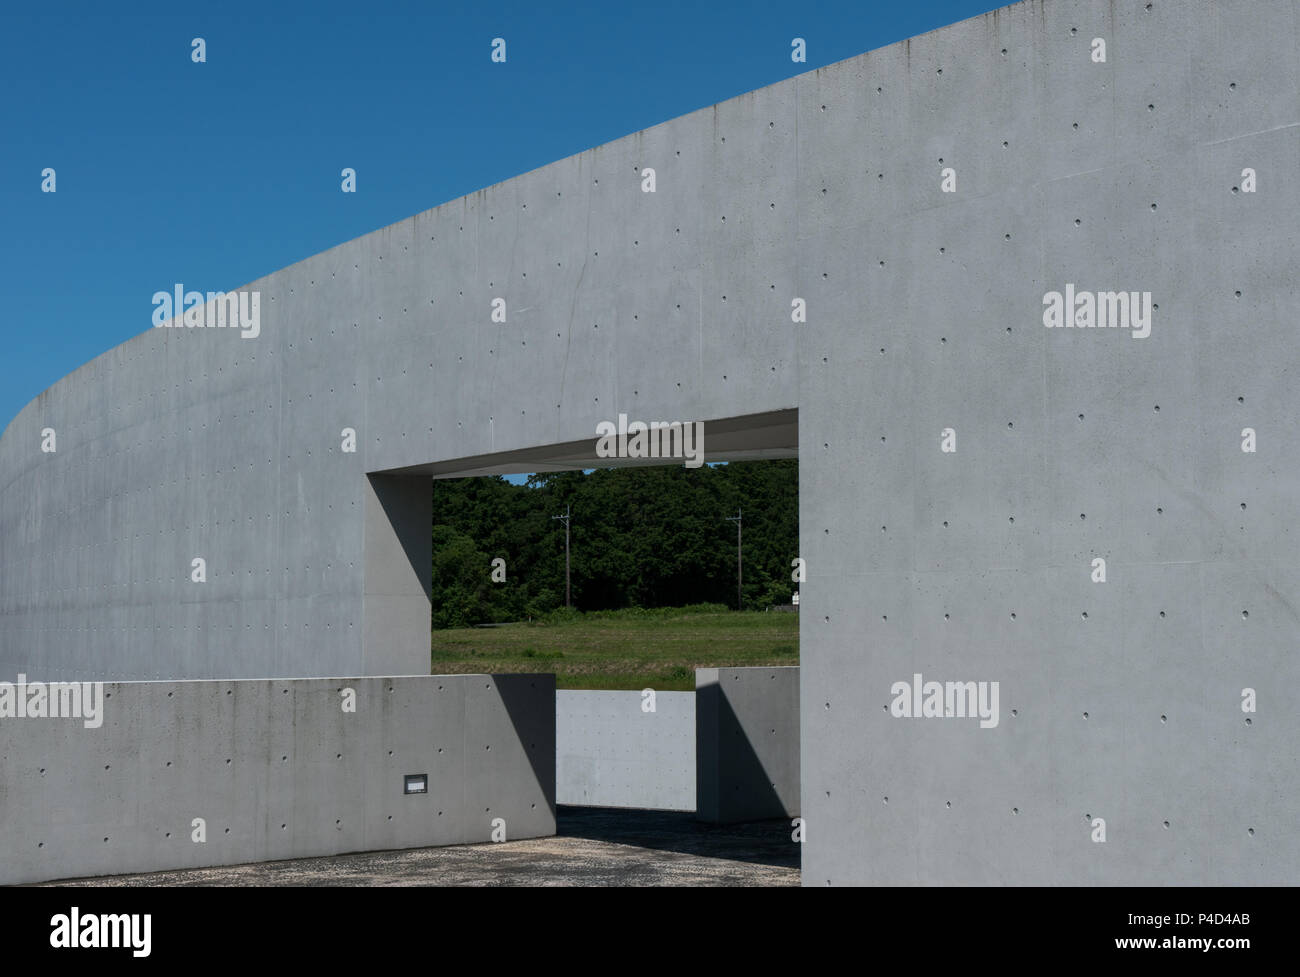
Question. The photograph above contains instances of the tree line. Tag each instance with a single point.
(639, 537)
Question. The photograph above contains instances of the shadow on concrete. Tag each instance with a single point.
(529, 700)
(734, 783)
(758, 842)
(408, 505)
(745, 789)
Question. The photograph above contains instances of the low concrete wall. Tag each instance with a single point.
(611, 753)
(276, 769)
(729, 750)
(747, 743)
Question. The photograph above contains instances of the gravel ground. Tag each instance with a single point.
(593, 847)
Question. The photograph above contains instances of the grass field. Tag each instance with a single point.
(629, 649)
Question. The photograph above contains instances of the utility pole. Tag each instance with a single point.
(565, 519)
(737, 520)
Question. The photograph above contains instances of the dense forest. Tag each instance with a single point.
(640, 537)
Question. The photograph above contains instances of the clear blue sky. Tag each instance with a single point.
(219, 173)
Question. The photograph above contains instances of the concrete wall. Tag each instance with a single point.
(729, 750)
(277, 770)
(924, 313)
(609, 753)
(1072, 445)
(747, 743)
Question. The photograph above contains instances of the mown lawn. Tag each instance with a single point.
(630, 649)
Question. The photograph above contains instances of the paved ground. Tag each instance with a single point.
(593, 847)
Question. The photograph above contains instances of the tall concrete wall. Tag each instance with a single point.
(610, 752)
(925, 313)
(1120, 701)
(275, 769)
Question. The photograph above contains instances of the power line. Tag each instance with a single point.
(737, 520)
(565, 519)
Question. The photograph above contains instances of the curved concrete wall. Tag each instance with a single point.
(198, 443)
(925, 313)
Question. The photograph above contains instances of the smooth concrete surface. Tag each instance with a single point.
(930, 317)
(398, 576)
(925, 313)
(611, 752)
(747, 743)
(275, 770)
